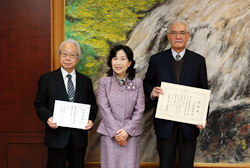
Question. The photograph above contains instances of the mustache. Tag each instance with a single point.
(178, 41)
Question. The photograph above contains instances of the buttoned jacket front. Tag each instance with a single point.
(120, 106)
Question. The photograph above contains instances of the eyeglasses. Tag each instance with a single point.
(71, 55)
(181, 33)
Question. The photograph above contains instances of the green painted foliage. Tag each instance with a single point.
(98, 24)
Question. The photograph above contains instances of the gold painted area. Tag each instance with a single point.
(57, 30)
(196, 165)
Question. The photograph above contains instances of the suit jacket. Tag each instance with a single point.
(161, 68)
(50, 88)
(120, 106)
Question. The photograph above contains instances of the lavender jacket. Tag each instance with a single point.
(120, 106)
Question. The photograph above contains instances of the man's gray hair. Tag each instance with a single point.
(79, 52)
(179, 21)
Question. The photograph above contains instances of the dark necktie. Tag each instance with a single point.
(178, 57)
(71, 91)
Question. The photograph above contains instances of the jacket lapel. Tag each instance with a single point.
(79, 86)
(60, 84)
(185, 67)
(170, 65)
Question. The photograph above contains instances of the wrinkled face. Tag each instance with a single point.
(178, 36)
(68, 57)
(120, 63)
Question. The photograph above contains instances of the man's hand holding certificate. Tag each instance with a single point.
(69, 114)
(183, 104)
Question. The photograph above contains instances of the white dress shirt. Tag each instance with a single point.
(175, 53)
(65, 78)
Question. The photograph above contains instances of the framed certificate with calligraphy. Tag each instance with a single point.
(183, 104)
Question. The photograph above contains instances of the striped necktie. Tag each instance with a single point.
(71, 90)
(178, 57)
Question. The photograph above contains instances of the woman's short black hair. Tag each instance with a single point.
(130, 56)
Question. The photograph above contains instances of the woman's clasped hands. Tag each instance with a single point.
(121, 137)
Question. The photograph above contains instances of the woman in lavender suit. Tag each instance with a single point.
(121, 102)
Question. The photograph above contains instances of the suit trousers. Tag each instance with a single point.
(57, 157)
(177, 140)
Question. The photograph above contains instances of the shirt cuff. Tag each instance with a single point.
(151, 96)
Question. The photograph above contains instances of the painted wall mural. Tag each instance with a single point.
(220, 31)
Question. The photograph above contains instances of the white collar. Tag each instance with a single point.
(65, 73)
(174, 53)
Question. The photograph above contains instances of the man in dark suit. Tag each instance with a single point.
(65, 84)
(179, 66)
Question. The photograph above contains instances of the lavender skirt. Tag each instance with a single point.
(116, 156)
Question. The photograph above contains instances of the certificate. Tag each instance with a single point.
(70, 114)
(183, 104)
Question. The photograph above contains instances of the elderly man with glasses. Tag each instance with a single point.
(176, 65)
(65, 84)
